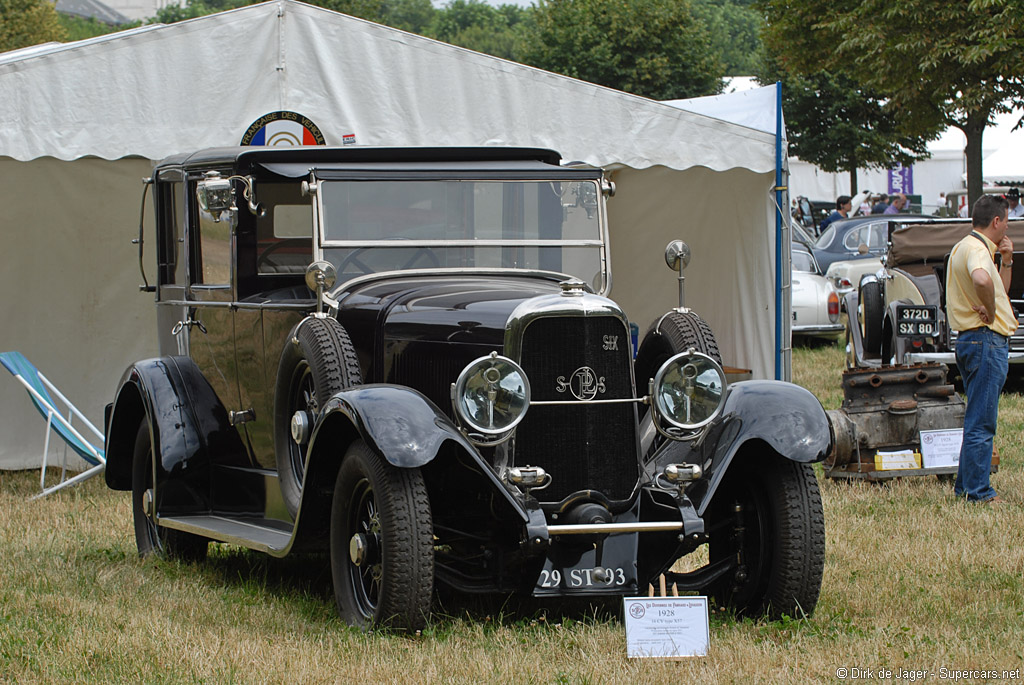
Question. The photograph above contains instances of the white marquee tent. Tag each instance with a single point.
(82, 123)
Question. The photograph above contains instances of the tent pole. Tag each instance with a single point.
(778, 230)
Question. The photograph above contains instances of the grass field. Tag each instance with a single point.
(914, 580)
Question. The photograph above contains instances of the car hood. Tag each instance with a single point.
(449, 308)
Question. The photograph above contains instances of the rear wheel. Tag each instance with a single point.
(768, 516)
(151, 539)
(382, 554)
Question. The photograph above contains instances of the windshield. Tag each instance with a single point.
(375, 226)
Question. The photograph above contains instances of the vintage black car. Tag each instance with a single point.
(405, 358)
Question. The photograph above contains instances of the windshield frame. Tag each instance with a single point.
(555, 175)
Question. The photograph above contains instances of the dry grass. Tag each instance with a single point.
(913, 579)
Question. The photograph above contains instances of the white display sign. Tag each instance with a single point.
(666, 627)
(941, 447)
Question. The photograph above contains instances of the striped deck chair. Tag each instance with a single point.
(42, 392)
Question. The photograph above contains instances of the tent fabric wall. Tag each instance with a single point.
(728, 276)
(154, 91)
(70, 280)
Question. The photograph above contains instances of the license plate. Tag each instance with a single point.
(915, 321)
(581, 578)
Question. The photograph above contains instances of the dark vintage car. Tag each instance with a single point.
(405, 358)
(901, 310)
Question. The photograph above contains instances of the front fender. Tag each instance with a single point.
(788, 419)
(402, 426)
(398, 423)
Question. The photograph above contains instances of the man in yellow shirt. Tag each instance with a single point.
(979, 309)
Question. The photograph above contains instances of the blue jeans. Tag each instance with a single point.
(982, 357)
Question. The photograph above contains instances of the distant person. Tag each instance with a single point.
(899, 201)
(940, 204)
(842, 210)
(1016, 208)
(865, 206)
(979, 310)
(881, 204)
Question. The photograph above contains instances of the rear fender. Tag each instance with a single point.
(187, 423)
(786, 418)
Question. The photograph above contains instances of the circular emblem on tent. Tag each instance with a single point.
(283, 129)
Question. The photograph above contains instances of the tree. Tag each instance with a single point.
(656, 48)
(835, 125)
(937, 62)
(478, 26)
(28, 22)
(734, 30)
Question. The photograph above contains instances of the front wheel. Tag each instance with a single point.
(382, 554)
(767, 515)
(151, 539)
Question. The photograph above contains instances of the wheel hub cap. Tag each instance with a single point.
(358, 549)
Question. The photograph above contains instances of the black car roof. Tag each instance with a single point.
(247, 156)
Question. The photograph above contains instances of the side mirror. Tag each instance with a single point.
(677, 256)
(320, 277)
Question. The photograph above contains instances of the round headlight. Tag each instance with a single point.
(492, 395)
(689, 390)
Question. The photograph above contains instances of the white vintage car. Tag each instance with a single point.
(846, 274)
(815, 301)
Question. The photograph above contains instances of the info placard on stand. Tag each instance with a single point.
(941, 447)
(666, 627)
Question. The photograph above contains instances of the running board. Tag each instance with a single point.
(264, 535)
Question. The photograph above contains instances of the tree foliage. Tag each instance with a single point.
(937, 62)
(838, 126)
(28, 22)
(734, 29)
(653, 48)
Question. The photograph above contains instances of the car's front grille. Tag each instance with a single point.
(583, 446)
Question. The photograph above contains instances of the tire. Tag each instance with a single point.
(151, 539)
(672, 334)
(387, 507)
(783, 532)
(874, 310)
(317, 361)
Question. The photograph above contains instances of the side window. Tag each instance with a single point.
(854, 238)
(879, 235)
(171, 242)
(214, 254)
(284, 235)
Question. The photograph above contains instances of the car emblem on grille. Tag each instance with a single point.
(584, 384)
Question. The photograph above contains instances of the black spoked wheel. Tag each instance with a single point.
(151, 539)
(318, 360)
(768, 517)
(382, 555)
(872, 309)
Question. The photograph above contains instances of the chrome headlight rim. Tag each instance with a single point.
(663, 415)
(459, 389)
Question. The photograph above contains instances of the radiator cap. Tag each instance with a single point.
(573, 287)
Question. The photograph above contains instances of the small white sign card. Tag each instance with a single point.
(941, 447)
(666, 627)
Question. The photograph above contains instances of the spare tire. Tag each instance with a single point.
(670, 335)
(317, 361)
(873, 308)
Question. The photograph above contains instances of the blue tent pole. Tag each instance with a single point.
(778, 230)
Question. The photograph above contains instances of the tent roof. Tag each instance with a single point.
(157, 90)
